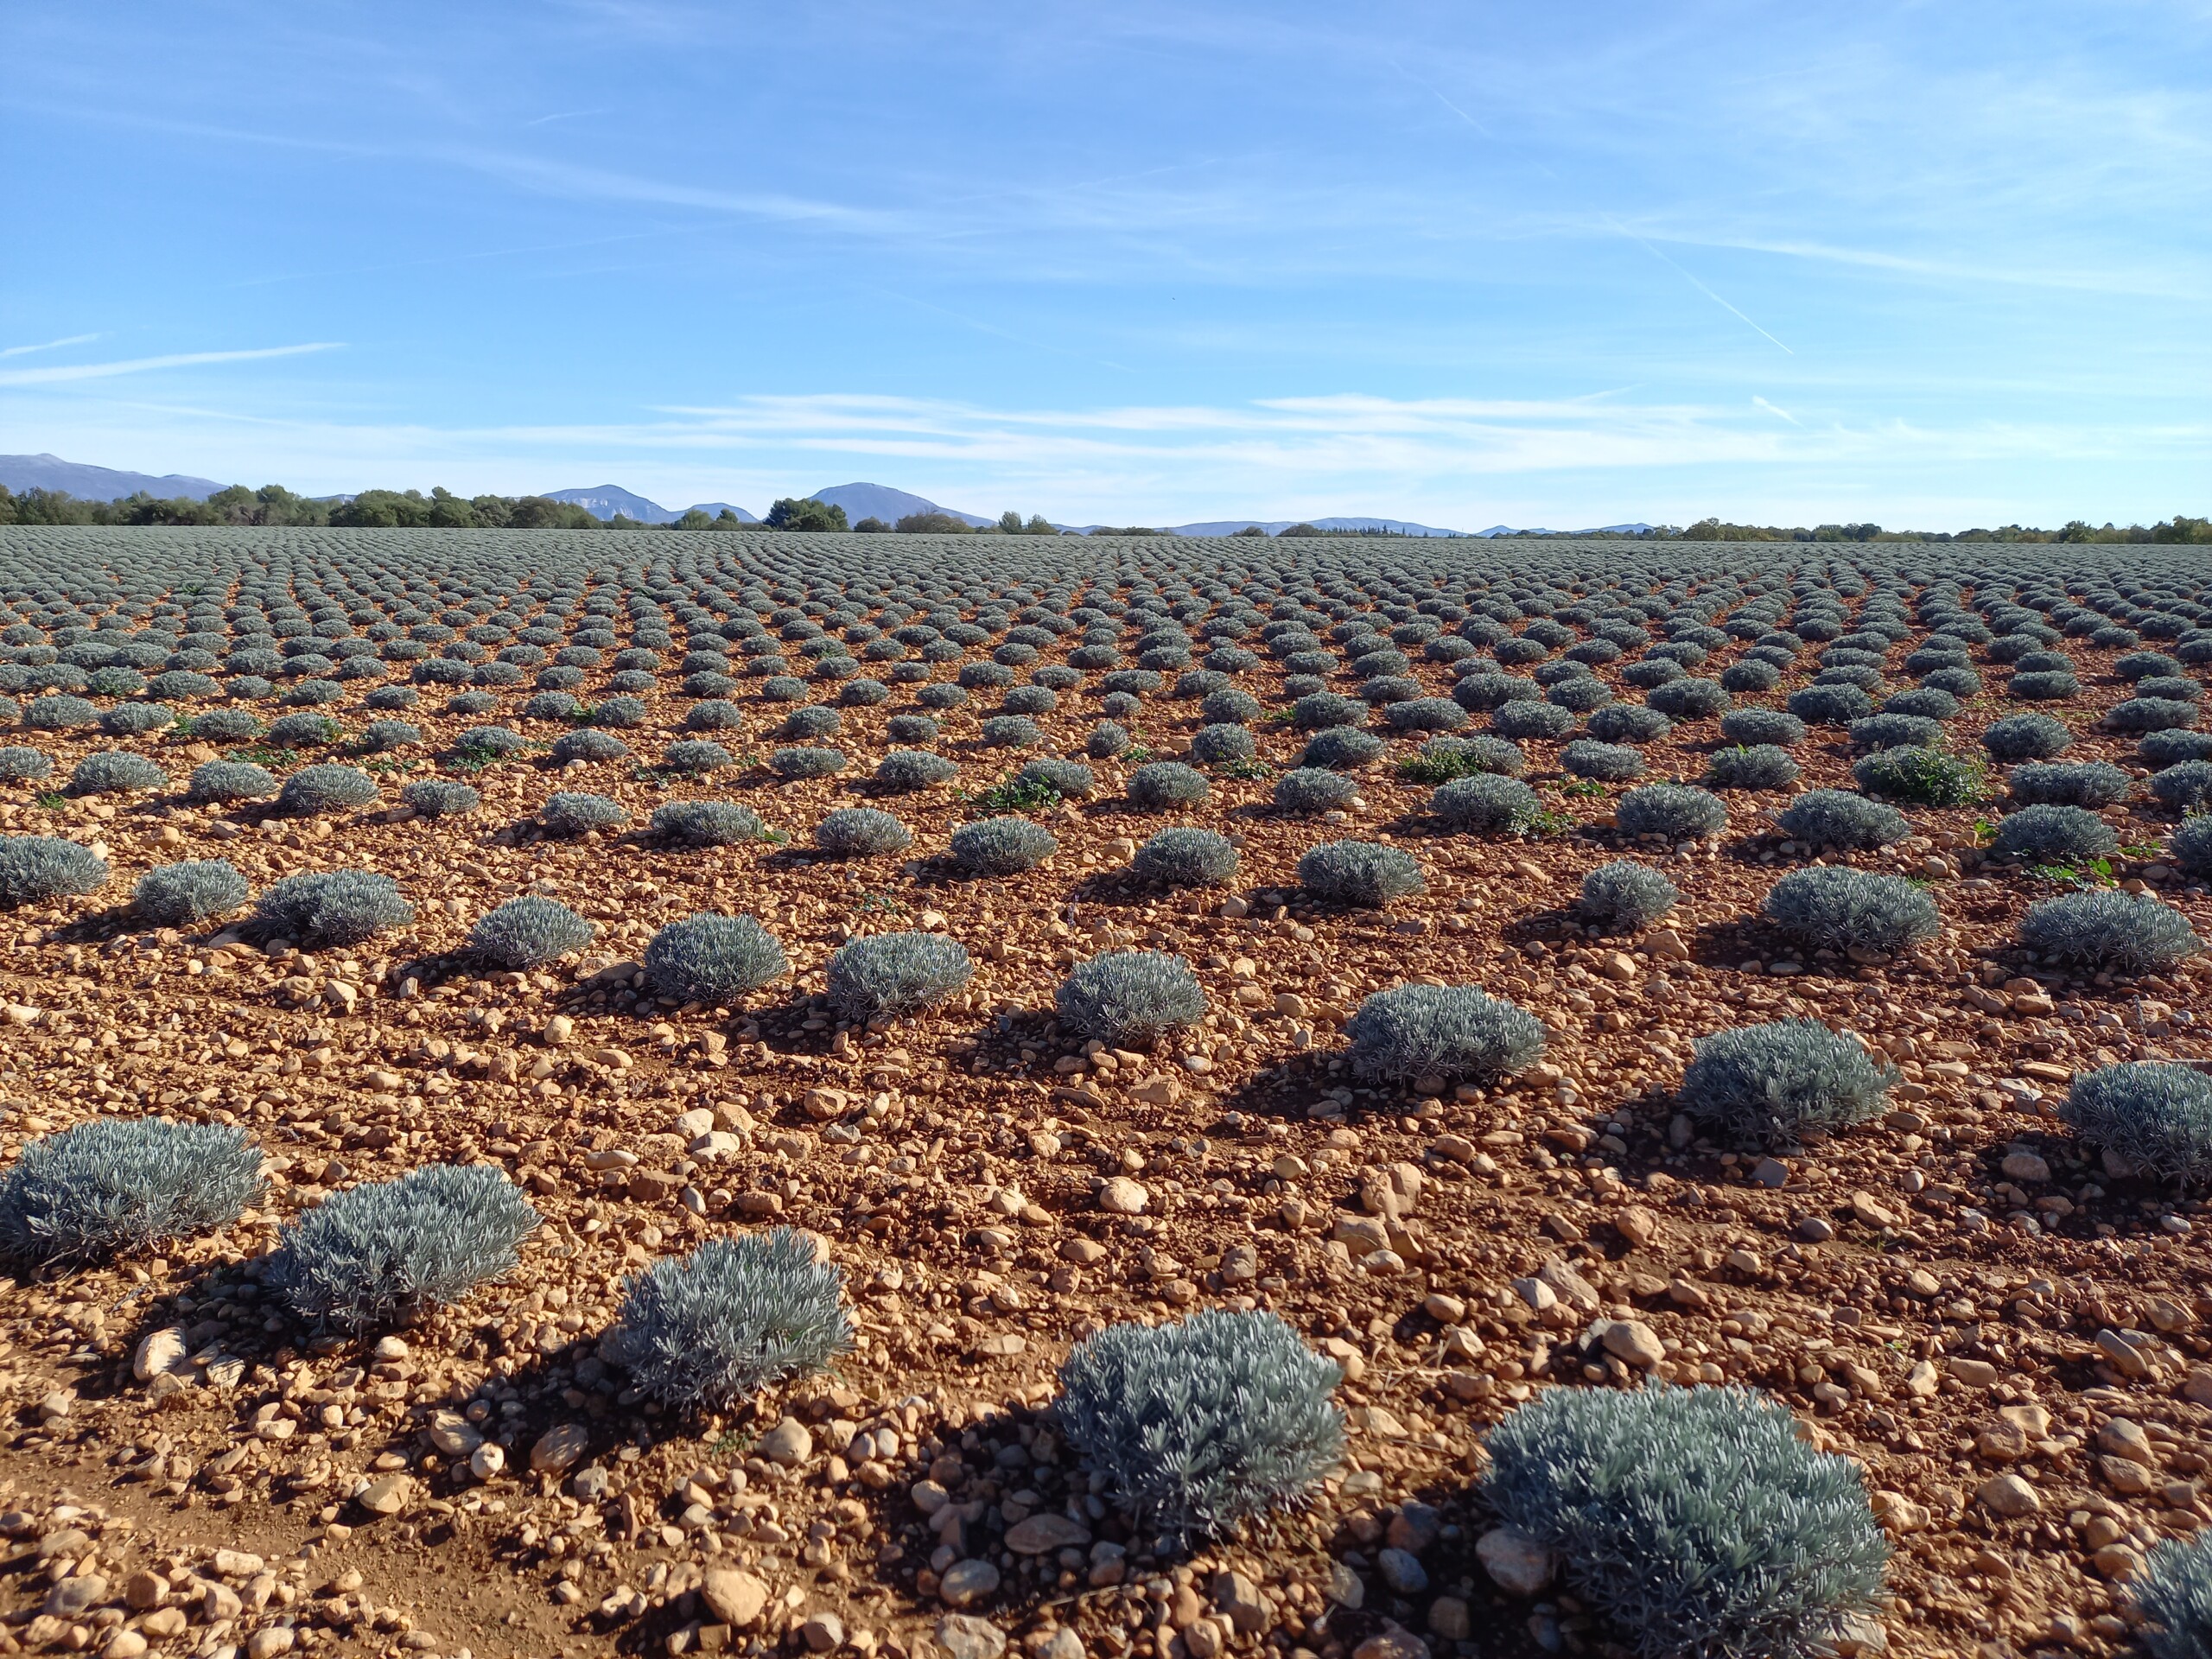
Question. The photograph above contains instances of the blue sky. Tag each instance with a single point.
(1935, 265)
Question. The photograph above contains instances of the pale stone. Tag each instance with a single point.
(1393, 1642)
(788, 1443)
(1046, 1532)
(2126, 1439)
(963, 1636)
(487, 1461)
(387, 1495)
(267, 1644)
(160, 1353)
(733, 1596)
(1517, 1564)
(1241, 1601)
(823, 1632)
(2024, 1166)
(454, 1435)
(1450, 1620)
(558, 1447)
(968, 1582)
(1121, 1196)
(1634, 1343)
(2009, 1496)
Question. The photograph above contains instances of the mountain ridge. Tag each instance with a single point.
(89, 483)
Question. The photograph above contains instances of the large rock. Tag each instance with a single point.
(788, 1443)
(558, 1447)
(1122, 1196)
(386, 1495)
(1040, 1534)
(965, 1583)
(1392, 1641)
(1633, 1343)
(733, 1596)
(962, 1636)
(1517, 1564)
(160, 1353)
(2009, 1496)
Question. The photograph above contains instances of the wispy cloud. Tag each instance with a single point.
(61, 372)
(46, 346)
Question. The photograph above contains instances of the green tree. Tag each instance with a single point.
(694, 519)
(451, 512)
(804, 512)
(934, 524)
(871, 525)
(1010, 523)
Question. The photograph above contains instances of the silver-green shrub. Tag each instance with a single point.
(2083, 782)
(2174, 1594)
(1128, 997)
(438, 798)
(1200, 1425)
(187, 894)
(1754, 726)
(219, 781)
(36, 868)
(588, 745)
(1756, 765)
(325, 789)
(335, 906)
(529, 932)
(571, 812)
(2053, 835)
(20, 764)
(888, 975)
(1624, 896)
(713, 959)
(1362, 873)
(1312, 789)
(1694, 1521)
(1451, 1031)
(2191, 848)
(904, 771)
(116, 772)
(1835, 908)
(1836, 817)
(114, 1185)
(2155, 1116)
(706, 824)
(2027, 737)
(1486, 805)
(861, 832)
(2117, 932)
(807, 762)
(1766, 1085)
(1165, 784)
(1001, 846)
(1186, 858)
(1609, 763)
(388, 1250)
(1677, 811)
(737, 1314)
(1340, 748)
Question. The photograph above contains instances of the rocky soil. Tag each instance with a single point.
(2010, 1339)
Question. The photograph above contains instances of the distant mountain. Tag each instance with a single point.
(605, 500)
(880, 502)
(1275, 526)
(1601, 530)
(98, 483)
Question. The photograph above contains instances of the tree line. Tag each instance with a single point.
(274, 504)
